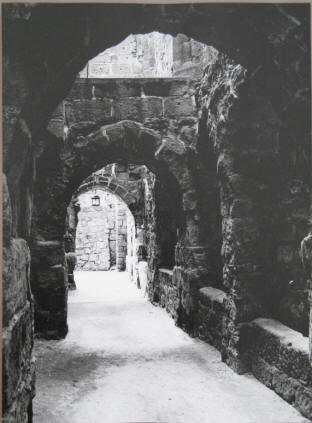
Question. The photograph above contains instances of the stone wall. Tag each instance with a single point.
(147, 55)
(211, 314)
(280, 359)
(167, 105)
(168, 293)
(190, 57)
(18, 370)
(259, 134)
(151, 55)
(101, 234)
(250, 206)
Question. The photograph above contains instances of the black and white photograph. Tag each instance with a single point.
(157, 218)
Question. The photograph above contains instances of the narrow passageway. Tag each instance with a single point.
(124, 360)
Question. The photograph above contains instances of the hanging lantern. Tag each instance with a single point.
(96, 200)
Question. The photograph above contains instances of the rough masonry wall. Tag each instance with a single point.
(18, 370)
(250, 211)
(153, 55)
(148, 55)
(279, 358)
(101, 232)
(167, 105)
(272, 44)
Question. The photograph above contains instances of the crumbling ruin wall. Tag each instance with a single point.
(271, 114)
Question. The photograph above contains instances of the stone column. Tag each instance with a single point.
(49, 285)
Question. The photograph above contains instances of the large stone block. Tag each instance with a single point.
(50, 288)
(177, 107)
(138, 109)
(167, 87)
(51, 324)
(47, 253)
(116, 88)
(210, 315)
(82, 89)
(88, 111)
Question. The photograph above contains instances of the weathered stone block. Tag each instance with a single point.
(177, 107)
(167, 87)
(81, 89)
(138, 109)
(169, 294)
(88, 111)
(294, 358)
(210, 315)
(265, 342)
(115, 88)
(47, 253)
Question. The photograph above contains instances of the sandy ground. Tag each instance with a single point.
(124, 360)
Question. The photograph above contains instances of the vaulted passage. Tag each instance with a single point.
(164, 149)
(125, 360)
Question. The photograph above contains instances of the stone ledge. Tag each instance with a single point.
(167, 271)
(210, 315)
(213, 294)
(280, 359)
(286, 335)
(283, 347)
(168, 292)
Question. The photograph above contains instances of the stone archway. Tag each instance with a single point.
(262, 144)
(131, 142)
(130, 191)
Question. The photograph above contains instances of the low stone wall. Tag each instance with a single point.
(168, 292)
(210, 315)
(280, 360)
